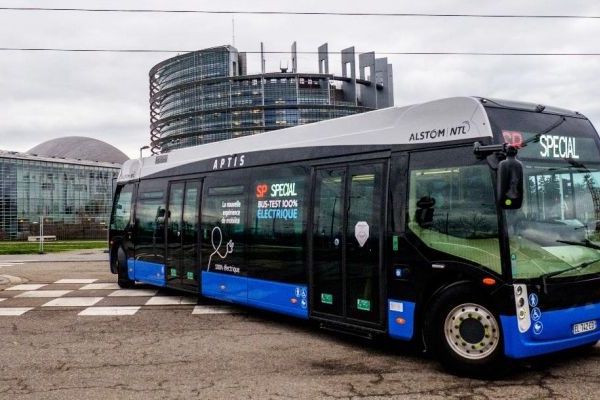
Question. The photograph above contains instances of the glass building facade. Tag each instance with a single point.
(206, 96)
(73, 197)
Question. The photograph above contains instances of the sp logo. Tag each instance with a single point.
(261, 190)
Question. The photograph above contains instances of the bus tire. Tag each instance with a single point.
(464, 332)
(123, 278)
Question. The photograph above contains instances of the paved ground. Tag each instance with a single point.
(168, 346)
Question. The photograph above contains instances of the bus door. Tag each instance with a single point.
(182, 259)
(346, 241)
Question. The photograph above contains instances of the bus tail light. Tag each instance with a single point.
(522, 307)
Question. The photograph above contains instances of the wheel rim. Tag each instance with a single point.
(471, 331)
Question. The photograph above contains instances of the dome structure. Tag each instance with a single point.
(80, 148)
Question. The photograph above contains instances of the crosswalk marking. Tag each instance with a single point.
(73, 302)
(198, 310)
(44, 293)
(17, 261)
(14, 311)
(27, 286)
(134, 293)
(76, 281)
(109, 300)
(107, 311)
(10, 263)
(170, 300)
(98, 286)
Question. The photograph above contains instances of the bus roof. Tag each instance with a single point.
(456, 118)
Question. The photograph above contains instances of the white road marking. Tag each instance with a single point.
(17, 261)
(213, 310)
(73, 302)
(133, 293)
(122, 310)
(44, 293)
(76, 281)
(27, 286)
(15, 311)
(95, 286)
(170, 300)
(2, 299)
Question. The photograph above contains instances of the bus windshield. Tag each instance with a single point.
(558, 226)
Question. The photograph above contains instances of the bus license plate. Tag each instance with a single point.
(584, 327)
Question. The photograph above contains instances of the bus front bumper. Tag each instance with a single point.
(553, 331)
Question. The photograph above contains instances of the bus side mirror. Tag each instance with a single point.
(510, 181)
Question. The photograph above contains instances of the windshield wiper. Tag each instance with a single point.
(536, 138)
(548, 275)
(583, 265)
(584, 243)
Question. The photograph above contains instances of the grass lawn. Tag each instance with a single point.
(50, 247)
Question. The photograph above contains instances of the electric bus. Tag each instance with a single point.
(468, 225)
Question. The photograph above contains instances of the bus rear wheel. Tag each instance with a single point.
(465, 334)
(123, 278)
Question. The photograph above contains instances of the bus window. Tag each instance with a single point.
(223, 225)
(278, 224)
(452, 209)
(121, 213)
(150, 222)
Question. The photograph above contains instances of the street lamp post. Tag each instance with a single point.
(41, 234)
(142, 149)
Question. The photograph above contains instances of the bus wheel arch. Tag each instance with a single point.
(121, 268)
(462, 329)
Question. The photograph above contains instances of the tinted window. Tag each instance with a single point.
(545, 136)
(278, 224)
(223, 225)
(121, 212)
(150, 221)
(362, 250)
(452, 208)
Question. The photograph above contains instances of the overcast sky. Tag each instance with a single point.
(105, 96)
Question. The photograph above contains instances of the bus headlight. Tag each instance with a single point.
(522, 307)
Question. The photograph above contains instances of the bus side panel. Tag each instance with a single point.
(283, 298)
(402, 262)
(232, 288)
(401, 319)
(280, 297)
(552, 332)
(147, 272)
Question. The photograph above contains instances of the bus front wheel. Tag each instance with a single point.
(123, 278)
(464, 332)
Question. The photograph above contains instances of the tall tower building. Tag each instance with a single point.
(207, 95)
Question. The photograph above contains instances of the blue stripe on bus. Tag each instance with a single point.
(279, 297)
(401, 319)
(230, 288)
(147, 272)
(553, 332)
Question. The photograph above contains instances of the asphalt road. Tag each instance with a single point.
(166, 351)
